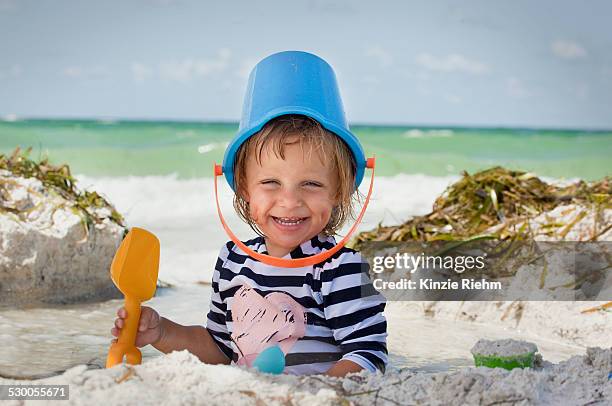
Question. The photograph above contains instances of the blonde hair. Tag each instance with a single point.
(305, 131)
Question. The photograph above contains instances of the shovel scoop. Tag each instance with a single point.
(134, 271)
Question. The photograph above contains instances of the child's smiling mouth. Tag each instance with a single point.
(289, 222)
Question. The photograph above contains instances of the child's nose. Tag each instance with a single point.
(290, 198)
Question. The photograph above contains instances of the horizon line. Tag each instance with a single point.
(11, 118)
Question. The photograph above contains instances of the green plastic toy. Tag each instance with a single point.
(515, 361)
(507, 353)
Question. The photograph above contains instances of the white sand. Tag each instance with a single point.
(548, 320)
(179, 378)
(503, 348)
(572, 222)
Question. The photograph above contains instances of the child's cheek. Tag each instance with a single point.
(254, 214)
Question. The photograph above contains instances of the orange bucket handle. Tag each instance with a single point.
(299, 262)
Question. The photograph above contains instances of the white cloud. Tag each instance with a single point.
(89, 72)
(516, 88)
(384, 58)
(188, 69)
(451, 63)
(140, 72)
(179, 71)
(568, 49)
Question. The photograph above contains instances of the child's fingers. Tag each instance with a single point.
(119, 323)
(121, 312)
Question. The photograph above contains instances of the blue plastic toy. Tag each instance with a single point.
(292, 82)
(271, 360)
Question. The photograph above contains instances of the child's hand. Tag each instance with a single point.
(149, 326)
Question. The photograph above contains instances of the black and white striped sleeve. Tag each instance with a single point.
(215, 323)
(354, 311)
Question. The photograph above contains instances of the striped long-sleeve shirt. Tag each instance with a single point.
(344, 313)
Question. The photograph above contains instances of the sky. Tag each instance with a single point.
(485, 63)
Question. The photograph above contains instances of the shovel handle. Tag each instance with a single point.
(125, 345)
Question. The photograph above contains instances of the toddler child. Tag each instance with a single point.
(295, 183)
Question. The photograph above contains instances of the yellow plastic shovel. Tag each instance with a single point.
(134, 271)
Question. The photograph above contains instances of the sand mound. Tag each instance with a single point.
(179, 378)
(50, 251)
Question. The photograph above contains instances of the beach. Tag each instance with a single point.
(478, 270)
(429, 342)
(435, 367)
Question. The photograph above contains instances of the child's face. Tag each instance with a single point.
(290, 199)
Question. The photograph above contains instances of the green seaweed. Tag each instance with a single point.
(498, 199)
(56, 178)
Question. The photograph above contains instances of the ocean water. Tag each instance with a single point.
(121, 148)
(158, 175)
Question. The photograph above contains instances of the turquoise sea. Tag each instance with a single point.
(188, 149)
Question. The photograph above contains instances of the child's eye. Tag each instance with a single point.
(313, 184)
(269, 182)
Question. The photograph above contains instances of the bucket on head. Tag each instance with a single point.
(293, 82)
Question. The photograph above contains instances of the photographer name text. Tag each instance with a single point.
(430, 284)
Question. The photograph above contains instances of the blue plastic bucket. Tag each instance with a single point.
(292, 82)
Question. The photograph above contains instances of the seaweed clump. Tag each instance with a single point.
(59, 179)
(488, 204)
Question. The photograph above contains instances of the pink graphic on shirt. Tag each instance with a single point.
(261, 322)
